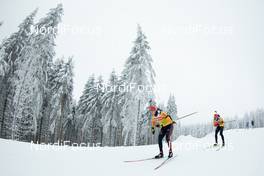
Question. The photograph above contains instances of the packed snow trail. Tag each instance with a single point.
(243, 156)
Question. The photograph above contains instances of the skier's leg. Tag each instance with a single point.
(168, 139)
(169, 135)
(222, 136)
(161, 136)
(216, 133)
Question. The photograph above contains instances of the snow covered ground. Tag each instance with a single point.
(243, 156)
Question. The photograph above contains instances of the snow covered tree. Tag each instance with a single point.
(89, 111)
(172, 111)
(10, 61)
(61, 87)
(70, 126)
(13, 45)
(145, 123)
(83, 102)
(111, 111)
(139, 76)
(162, 106)
(172, 107)
(36, 60)
(83, 110)
(97, 128)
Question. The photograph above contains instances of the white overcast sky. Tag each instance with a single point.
(208, 53)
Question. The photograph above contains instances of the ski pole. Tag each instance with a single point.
(229, 121)
(182, 117)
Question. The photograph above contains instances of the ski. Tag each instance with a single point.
(164, 162)
(219, 148)
(139, 160)
(212, 147)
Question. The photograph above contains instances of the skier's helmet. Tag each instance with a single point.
(152, 108)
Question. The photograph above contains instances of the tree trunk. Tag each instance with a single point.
(110, 132)
(40, 130)
(60, 138)
(3, 119)
(136, 135)
(115, 137)
(4, 92)
(102, 135)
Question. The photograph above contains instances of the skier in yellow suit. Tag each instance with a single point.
(219, 124)
(163, 120)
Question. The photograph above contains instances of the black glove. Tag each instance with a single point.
(153, 130)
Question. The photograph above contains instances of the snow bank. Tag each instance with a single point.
(243, 156)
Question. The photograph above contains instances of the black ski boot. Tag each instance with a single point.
(223, 144)
(159, 155)
(215, 144)
(170, 154)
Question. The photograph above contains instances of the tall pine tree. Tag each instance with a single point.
(139, 76)
(172, 107)
(33, 76)
(10, 61)
(61, 88)
(172, 111)
(89, 111)
(110, 110)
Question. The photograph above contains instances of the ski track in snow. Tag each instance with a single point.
(243, 156)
